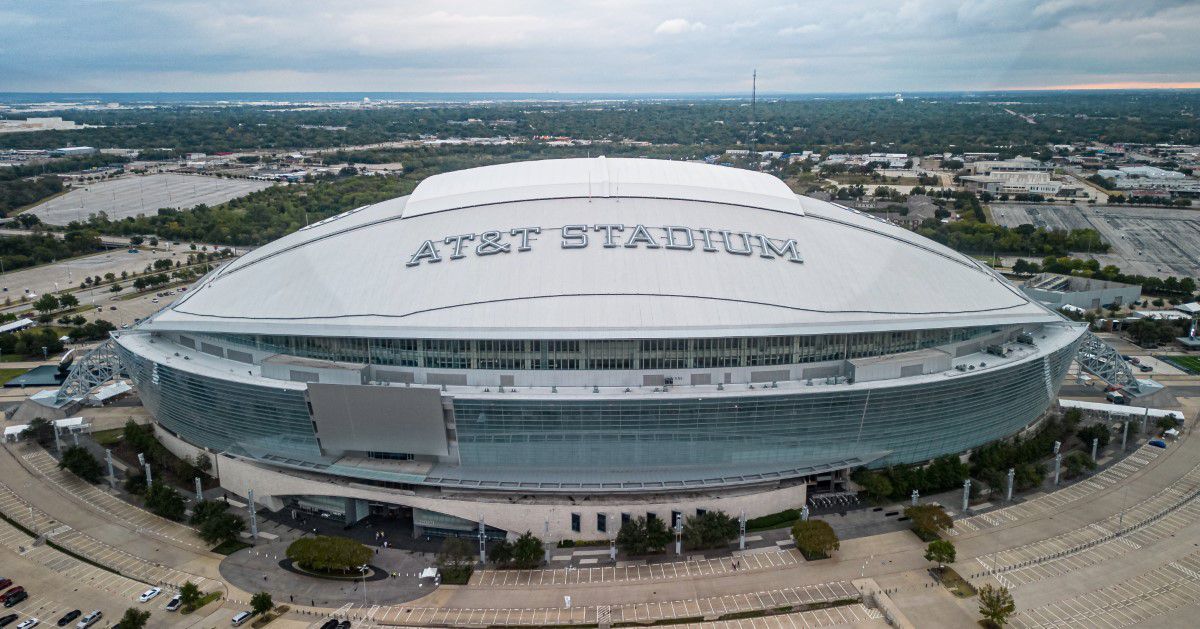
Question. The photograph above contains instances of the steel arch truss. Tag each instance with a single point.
(97, 367)
(1100, 359)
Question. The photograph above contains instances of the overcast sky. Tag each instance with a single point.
(595, 46)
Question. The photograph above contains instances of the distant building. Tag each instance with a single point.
(1017, 164)
(1016, 182)
(1087, 293)
(38, 124)
(73, 151)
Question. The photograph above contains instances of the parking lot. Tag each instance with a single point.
(638, 572)
(1145, 241)
(145, 194)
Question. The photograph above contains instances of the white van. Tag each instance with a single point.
(89, 620)
(240, 618)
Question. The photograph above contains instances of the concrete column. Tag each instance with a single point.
(199, 490)
(1124, 434)
(1095, 446)
(482, 540)
(253, 514)
(804, 513)
(742, 531)
(149, 480)
(916, 495)
(1057, 446)
(108, 459)
(966, 494)
(546, 539)
(1057, 467)
(57, 443)
(75, 436)
(679, 534)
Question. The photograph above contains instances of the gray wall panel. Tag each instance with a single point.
(381, 419)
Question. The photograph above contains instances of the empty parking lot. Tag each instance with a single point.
(130, 196)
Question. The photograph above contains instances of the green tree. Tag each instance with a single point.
(189, 594)
(996, 605)
(928, 520)
(877, 486)
(1076, 463)
(528, 551)
(46, 304)
(642, 535)
(1095, 431)
(815, 539)
(135, 483)
(455, 560)
(165, 501)
(40, 430)
(221, 528)
(206, 509)
(67, 300)
(941, 552)
(134, 618)
(261, 603)
(713, 529)
(203, 463)
(500, 553)
(328, 553)
(82, 464)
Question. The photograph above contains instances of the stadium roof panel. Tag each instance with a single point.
(652, 266)
(600, 178)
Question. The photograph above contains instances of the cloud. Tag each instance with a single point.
(678, 26)
(800, 30)
(589, 46)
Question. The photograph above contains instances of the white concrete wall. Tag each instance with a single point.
(515, 517)
(181, 448)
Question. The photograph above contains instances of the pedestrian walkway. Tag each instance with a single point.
(747, 561)
(704, 607)
(40, 461)
(1056, 500)
(32, 518)
(1134, 601)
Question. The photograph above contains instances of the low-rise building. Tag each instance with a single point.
(1057, 291)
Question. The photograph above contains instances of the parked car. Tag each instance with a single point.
(13, 599)
(7, 620)
(4, 583)
(1158, 443)
(332, 623)
(345, 624)
(149, 594)
(89, 620)
(240, 618)
(28, 623)
(1145, 368)
(68, 617)
(175, 603)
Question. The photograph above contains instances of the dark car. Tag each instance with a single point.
(7, 620)
(345, 624)
(332, 623)
(13, 599)
(4, 583)
(71, 615)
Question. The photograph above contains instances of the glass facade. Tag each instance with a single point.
(698, 353)
(644, 436)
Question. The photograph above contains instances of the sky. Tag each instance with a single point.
(596, 46)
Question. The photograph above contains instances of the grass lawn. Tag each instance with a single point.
(1190, 364)
(108, 437)
(9, 374)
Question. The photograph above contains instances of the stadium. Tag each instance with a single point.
(570, 343)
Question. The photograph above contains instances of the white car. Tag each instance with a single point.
(175, 603)
(29, 623)
(149, 594)
(89, 620)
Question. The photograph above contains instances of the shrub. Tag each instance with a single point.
(928, 521)
(642, 535)
(328, 553)
(82, 464)
(713, 529)
(815, 539)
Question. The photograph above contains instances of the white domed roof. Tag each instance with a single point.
(497, 252)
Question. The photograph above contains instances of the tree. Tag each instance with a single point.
(46, 303)
(1095, 431)
(203, 463)
(1076, 463)
(928, 520)
(135, 483)
(643, 535)
(222, 528)
(261, 603)
(455, 560)
(82, 464)
(501, 553)
(815, 539)
(528, 551)
(134, 618)
(67, 300)
(996, 605)
(136, 240)
(39, 429)
(877, 486)
(206, 509)
(940, 551)
(189, 594)
(713, 529)
(165, 501)
(327, 553)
